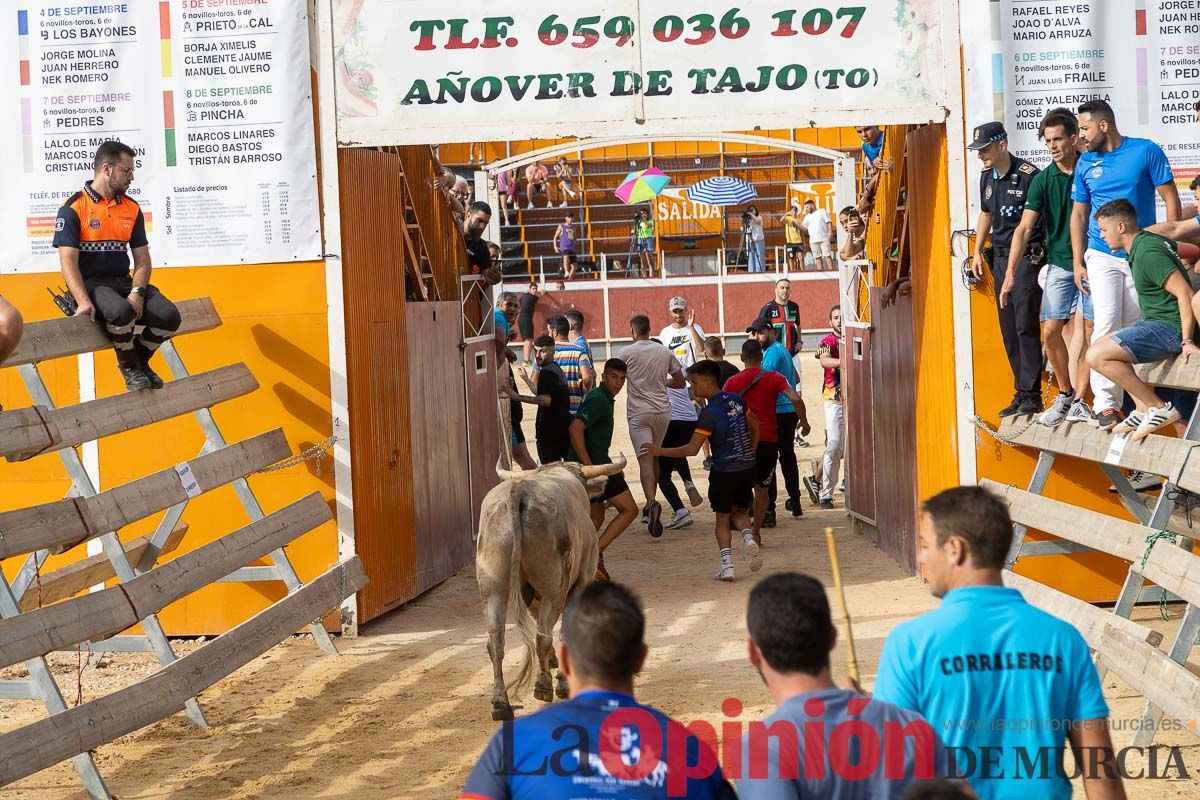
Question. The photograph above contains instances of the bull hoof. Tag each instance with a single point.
(544, 694)
(502, 712)
(561, 689)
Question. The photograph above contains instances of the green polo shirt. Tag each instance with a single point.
(1152, 259)
(596, 414)
(1050, 196)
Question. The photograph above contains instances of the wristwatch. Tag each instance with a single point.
(139, 290)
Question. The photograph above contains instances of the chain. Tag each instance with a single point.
(1151, 540)
(341, 594)
(314, 453)
(1009, 439)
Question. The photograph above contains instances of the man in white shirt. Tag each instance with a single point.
(685, 339)
(816, 222)
(651, 371)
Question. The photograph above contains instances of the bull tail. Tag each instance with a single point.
(525, 623)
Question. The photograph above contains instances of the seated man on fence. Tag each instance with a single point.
(1164, 295)
(11, 328)
(95, 229)
(601, 742)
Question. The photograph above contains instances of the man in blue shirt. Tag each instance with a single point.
(732, 434)
(800, 751)
(872, 147)
(1004, 684)
(777, 359)
(601, 744)
(1113, 167)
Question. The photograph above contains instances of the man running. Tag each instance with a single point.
(572, 359)
(591, 435)
(652, 370)
(761, 390)
(1049, 201)
(776, 359)
(733, 435)
(1114, 166)
(992, 674)
(784, 315)
(552, 396)
(685, 339)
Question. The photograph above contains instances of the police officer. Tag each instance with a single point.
(1003, 185)
(94, 232)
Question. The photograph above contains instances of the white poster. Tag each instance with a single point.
(213, 96)
(425, 71)
(1025, 58)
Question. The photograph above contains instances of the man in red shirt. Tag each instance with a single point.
(760, 389)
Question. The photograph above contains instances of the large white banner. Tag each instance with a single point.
(415, 71)
(1025, 58)
(213, 95)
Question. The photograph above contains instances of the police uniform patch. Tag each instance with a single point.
(60, 224)
(987, 194)
(94, 224)
(1026, 168)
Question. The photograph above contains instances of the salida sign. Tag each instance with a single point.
(411, 72)
(676, 215)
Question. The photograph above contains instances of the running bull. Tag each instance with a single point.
(537, 547)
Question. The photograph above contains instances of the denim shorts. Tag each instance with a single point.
(1061, 297)
(1149, 341)
(645, 245)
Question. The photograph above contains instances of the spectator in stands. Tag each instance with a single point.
(756, 240)
(564, 245)
(536, 177)
(565, 176)
(479, 256)
(1114, 166)
(856, 233)
(793, 236)
(508, 391)
(644, 233)
(552, 396)
(462, 191)
(791, 635)
(11, 328)
(472, 147)
(445, 182)
(784, 315)
(494, 253)
(560, 286)
(761, 389)
(575, 363)
(506, 190)
(94, 232)
(575, 320)
(601, 649)
(591, 436)
(776, 359)
(527, 304)
(816, 223)
(1166, 326)
(1023, 684)
(652, 370)
(685, 339)
(714, 350)
(872, 149)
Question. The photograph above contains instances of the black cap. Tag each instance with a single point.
(759, 325)
(988, 133)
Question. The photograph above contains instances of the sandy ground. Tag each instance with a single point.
(404, 711)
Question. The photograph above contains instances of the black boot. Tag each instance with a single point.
(131, 370)
(144, 355)
(1012, 408)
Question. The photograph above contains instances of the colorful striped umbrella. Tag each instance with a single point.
(638, 187)
(722, 191)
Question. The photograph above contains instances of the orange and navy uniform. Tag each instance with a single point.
(102, 230)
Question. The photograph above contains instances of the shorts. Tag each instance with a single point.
(570, 255)
(1061, 297)
(645, 245)
(1147, 341)
(615, 487)
(821, 249)
(549, 450)
(518, 435)
(648, 429)
(730, 490)
(525, 326)
(795, 250)
(767, 456)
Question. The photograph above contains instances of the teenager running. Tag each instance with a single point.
(552, 396)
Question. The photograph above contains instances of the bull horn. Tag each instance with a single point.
(510, 474)
(595, 471)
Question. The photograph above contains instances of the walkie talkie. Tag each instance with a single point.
(66, 301)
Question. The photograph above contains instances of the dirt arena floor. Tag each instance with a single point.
(405, 710)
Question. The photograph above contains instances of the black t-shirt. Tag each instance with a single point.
(1003, 196)
(786, 322)
(478, 257)
(553, 420)
(727, 371)
(527, 302)
(516, 412)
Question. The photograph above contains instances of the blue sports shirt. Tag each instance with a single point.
(1132, 171)
(723, 420)
(777, 359)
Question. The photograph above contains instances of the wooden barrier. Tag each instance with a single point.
(1089, 620)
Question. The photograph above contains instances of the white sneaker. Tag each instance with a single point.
(1156, 419)
(724, 574)
(693, 493)
(1081, 412)
(752, 550)
(1129, 424)
(1057, 411)
(682, 519)
(563, 204)
(530, 206)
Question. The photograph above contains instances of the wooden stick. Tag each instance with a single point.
(851, 658)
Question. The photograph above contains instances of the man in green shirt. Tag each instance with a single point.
(1165, 330)
(591, 435)
(1049, 203)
